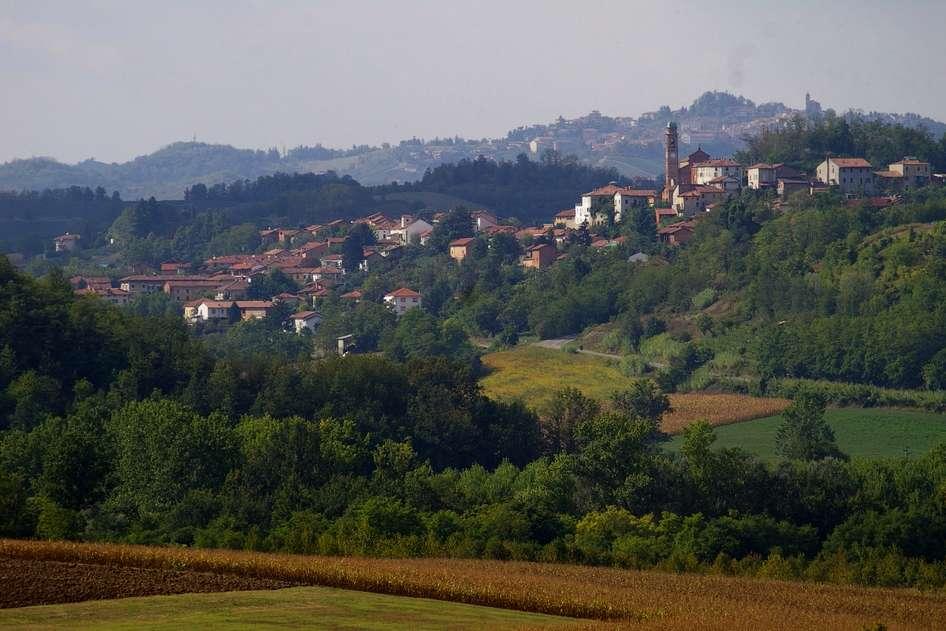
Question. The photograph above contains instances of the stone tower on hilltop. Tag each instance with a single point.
(671, 161)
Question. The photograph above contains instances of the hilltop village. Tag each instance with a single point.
(317, 257)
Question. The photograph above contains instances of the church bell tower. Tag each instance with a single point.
(671, 161)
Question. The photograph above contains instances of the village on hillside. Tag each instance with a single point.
(219, 290)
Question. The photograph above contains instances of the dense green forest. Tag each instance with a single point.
(528, 190)
(29, 219)
(125, 428)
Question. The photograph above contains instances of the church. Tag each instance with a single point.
(699, 180)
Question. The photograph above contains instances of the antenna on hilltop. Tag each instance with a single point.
(195, 137)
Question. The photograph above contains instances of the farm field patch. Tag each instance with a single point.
(635, 599)
(534, 374)
(297, 607)
(860, 433)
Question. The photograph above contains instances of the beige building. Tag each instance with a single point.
(708, 170)
(914, 172)
(764, 175)
(853, 176)
(460, 248)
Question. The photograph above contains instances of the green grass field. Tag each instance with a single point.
(860, 432)
(298, 607)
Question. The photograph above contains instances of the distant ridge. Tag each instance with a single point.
(716, 121)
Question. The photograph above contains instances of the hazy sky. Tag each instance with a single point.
(116, 79)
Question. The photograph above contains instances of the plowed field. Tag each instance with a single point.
(24, 583)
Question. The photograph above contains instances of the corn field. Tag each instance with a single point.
(640, 600)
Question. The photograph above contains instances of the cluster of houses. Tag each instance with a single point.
(310, 255)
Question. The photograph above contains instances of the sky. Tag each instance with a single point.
(112, 80)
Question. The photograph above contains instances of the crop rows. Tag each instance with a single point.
(640, 599)
(717, 409)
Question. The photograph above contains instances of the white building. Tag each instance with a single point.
(402, 300)
(306, 321)
(623, 199)
(214, 310)
(708, 170)
(410, 230)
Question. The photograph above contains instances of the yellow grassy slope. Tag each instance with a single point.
(534, 374)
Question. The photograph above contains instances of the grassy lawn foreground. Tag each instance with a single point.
(297, 607)
(860, 432)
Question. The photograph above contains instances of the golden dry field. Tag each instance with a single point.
(628, 599)
(534, 374)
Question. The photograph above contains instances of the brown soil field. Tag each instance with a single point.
(631, 599)
(24, 583)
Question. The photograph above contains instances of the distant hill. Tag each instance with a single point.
(716, 121)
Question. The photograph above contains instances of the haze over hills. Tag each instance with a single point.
(716, 121)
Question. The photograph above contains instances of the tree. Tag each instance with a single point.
(455, 225)
(643, 401)
(567, 410)
(352, 252)
(804, 434)
(643, 222)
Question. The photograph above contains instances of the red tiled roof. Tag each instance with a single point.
(462, 242)
(403, 292)
(851, 163)
(304, 315)
(254, 304)
(570, 212)
(717, 162)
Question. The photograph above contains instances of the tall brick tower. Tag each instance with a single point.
(671, 161)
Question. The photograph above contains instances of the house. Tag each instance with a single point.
(483, 219)
(914, 172)
(215, 310)
(153, 283)
(235, 289)
(539, 256)
(663, 214)
(190, 310)
(676, 234)
(305, 321)
(727, 183)
(268, 236)
(369, 257)
(763, 175)
(696, 199)
(889, 181)
(786, 186)
(566, 218)
(333, 261)
(853, 176)
(184, 290)
(355, 295)
(708, 170)
(460, 248)
(594, 204)
(175, 267)
(286, 235)
(286, 298)
(402, 300)
(253, 309)
(345, 344)
(111, 294)
(66, 242)
(410, 230)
